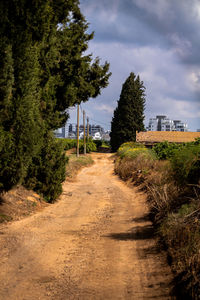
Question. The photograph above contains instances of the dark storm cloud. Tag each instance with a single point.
(172, 23)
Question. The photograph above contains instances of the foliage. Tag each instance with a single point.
(43, 71)
(196, 142)
(131, 149)
(133, 159)
(181, 233)
(8, 165)
(21, 125)
(76, 163)
(165, 149)
(173, 195)
(186, 164)
(90, 146)
(72, 143)
(67, 143)
(47, 170)
(98, 143)
(105, 144)
(129, 114)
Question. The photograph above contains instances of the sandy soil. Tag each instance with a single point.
(94, 243)
(19, 203)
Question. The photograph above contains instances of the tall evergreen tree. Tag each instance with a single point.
(43, 71)
(129, 114)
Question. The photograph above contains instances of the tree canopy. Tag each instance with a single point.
(43, 71)
(129, 114)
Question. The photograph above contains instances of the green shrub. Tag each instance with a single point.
(186, 164)
(128, 149)
(9, 166)
(47, 171)
(90, 146)
(165, 149)
(98, 143)
(67, 143)
(134, 161)
(133, 151)
(106, 143)
(172, 187)
(196, 142)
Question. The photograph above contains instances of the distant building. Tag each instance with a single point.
(180, 126)
(153, 124)
(97, 136)
(106, 136)
(162, 123)
(70, 131)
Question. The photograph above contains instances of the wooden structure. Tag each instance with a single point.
(149, 138)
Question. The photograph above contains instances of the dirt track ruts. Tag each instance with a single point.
(94, 243)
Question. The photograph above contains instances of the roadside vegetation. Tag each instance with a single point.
(170, 174)
(72, 143)
(76, 163)
(44, 70)
(91, 145)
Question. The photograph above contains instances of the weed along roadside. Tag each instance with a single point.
(170, 174)
(75, 164)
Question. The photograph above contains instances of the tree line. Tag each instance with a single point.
(43, 71)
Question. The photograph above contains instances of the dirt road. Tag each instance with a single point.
(95, 243)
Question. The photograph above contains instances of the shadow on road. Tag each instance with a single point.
(136, 233)
(142, 219)
(103, 150)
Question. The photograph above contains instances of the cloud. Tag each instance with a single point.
(184, 108)
(157, 39)
(164, 77)
(171, 23)
(105, 108)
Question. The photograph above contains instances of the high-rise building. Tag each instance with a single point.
(162, 123)
(180, 126)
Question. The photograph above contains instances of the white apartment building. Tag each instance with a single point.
(153, 124)
(162, 123)
(167, 125)
(180, 126)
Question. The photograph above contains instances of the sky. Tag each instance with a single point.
(159, 40)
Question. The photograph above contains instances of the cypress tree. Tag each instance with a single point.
(43, 71)
(68, 76)
(20, 120)
(129, 113)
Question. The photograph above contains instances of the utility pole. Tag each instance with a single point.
(77, 132)
(87, 128)
(84, 140)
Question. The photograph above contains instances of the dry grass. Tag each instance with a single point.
(75, 164)
(176, 214)
(129, 168)
(19, 203)
(181, 233)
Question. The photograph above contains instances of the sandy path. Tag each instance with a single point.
(95, 243)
